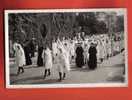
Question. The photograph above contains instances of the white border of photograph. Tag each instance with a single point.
(82, 85)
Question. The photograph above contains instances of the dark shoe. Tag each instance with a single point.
(49, 73)
(19, 69)
(22, 70)
(18, 73)
(59, 80)
(64, 75)
(60, 76)
(45, 73)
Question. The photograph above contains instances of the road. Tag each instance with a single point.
(109, 71)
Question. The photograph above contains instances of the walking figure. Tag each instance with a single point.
(19, 58)
(92, 63)
(47, 61)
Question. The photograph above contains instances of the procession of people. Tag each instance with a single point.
(86, 52)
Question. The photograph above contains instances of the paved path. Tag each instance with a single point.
(109, 71)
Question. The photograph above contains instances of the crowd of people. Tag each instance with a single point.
(84, 52)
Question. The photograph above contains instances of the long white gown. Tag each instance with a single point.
(19, 55)
(54, 48)
(63, 62)
(47, 58)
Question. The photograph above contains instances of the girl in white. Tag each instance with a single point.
(47, 60)
(86, 54)
(99, 56)
(101, 51)
(54, 49)
(63, 63)
(72, 50)
(19, 57)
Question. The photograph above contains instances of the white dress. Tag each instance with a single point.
(60, 62)
(101, 51)
(66, 60)
(72, 49)
(47, 58)
(86, 54)
(19, 56)
(54, 48)
(63, 64)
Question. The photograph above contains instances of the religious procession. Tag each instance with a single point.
(68, 48)
(85, 52)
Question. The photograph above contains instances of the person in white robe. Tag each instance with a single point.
(54, 49)
(72, 50)
(63, 63)
(47, 60)
(19, 57)
(98, 51)
(86, 54)
(109, 48)
(66, 58)
(101, 51)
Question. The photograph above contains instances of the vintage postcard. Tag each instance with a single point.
(60, 48)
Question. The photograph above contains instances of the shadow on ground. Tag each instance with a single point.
(34, 80)
(81, 69)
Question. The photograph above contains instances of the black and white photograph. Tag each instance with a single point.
(61, 48)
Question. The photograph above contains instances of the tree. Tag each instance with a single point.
(120, 24)
(90, 24)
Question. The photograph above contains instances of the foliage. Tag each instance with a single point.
(44, 27)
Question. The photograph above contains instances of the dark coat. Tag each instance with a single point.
(92, 63)
(79, 56)
(27, 55)
(40, 59)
